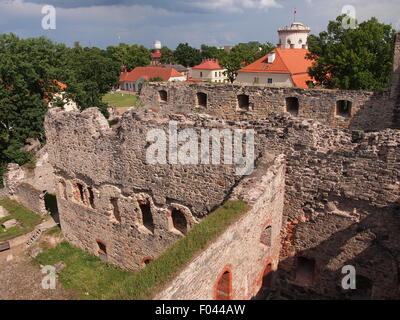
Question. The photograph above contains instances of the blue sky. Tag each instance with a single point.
(213, 22)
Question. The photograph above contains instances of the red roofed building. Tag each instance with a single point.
(209, 70)
(286, 67)
(132, 81)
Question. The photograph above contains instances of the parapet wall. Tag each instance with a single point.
(367, 110)
(240, 250)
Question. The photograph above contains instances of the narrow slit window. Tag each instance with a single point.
(147, 217)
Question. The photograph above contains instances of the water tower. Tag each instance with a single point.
(157, 45)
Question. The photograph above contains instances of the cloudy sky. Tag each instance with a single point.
(214, 22)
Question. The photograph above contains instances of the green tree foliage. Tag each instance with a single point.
(187, 55)
(167, 56)
(209, 52)
(130, 56)
(91, 73)
(242, 55)
(28, 69)
(358, 59)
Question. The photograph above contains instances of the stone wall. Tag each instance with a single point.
(368, 111)
(240, 249)
(341, 206)
(341, 199)
(29, 185)
(103, 178)
(395, 89)
(30, 197)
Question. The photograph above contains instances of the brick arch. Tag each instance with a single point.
(264, 226)
(268, 268)
(223, 289)
(146, 260)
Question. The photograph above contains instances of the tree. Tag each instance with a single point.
(92, 72)
(358, 59)
(130, 56)
(28, 69)
(187, 56)
(242, 55)
(209, 52)
(167, 56)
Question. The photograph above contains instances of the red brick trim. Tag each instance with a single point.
(143, 261)
(227, 268)
(263, 272)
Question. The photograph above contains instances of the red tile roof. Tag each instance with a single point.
(287, 61)
(209, 64)
(156, 55)
(148, 73)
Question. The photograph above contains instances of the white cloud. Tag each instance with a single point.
(236, 5)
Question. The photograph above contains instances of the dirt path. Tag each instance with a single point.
(20, 280)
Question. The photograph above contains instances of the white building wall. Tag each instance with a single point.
(173, 79)
(278, 80)
(209, 75)
(297, 38)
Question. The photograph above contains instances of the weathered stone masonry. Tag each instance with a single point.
(366, 110)
(240, 250)
(106, 188)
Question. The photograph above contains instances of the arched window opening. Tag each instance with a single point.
(266, 236)
(224, 287)
(201, 99)
(292, 106)
(146, 261)
(179, 220)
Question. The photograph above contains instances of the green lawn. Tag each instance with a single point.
(94, 279)
(28, 219)
(120, 100)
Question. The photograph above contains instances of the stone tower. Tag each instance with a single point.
(294, 37)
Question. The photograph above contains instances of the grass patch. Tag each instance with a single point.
(54, 230)
(95, 279)
(120, 100)
(28, 219)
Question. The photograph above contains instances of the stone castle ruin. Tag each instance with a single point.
(324, 194)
